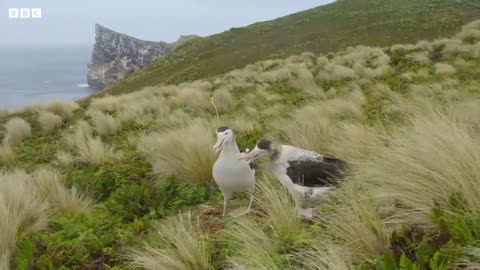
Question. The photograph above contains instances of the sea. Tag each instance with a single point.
(37, 75)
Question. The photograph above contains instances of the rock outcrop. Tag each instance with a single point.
(116, 55)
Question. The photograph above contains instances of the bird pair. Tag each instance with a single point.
(305, 174)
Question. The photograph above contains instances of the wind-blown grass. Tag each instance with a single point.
(17, 130)
(7, 154)
(180, 247)
(50, 186)
(424, 165)
(65, 110)
(49, 121)
(104, 124)
(22, 211)
(183, 152)
(253, 248)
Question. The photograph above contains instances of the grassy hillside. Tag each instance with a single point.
(125, 181)
(319, 30)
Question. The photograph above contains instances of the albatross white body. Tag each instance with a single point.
(231, 172)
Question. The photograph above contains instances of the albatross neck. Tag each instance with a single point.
(230, 148)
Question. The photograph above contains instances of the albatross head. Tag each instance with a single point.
(224, 136)
(263, 149)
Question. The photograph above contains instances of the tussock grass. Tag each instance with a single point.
(50, 186)
(276, 201)
(223, 100)
(353, 221)
(82, 131)
(7, 154)
(104, 124)
(5, 261)
(470, 259)
(253, 248)
(89, 149)
(325, 256)
(444, 69)
(191, 99)
(184, 152)
(65, 110)
(94, 152)
(106, 103)
(424, 165)
(22, 211)
(64, 159)
(180, 247)
(17, 130)
(337, 72)
(316, 126)
(49, 121)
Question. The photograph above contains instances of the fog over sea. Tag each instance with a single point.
(30, 75)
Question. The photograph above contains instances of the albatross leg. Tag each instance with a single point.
(226, 198)
(249, 205)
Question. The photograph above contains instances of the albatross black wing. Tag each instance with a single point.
(315, 172)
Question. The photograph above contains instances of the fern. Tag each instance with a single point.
(24, 254)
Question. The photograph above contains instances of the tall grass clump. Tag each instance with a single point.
(252, 248)
(65, 110)
(276, 201)
(17, 130)
(7, 154)
(354, 222)
(422, 166)
(316, 126)
(50, 186)
(181, 246)
(64, 159)
(223, 100)
(21, 210)
(104, 124)
(95, 152)
(325, 256)
(267, 244)
(82, 131)
(191, 99)
(49, 121)
(444, 69)
(184, 152)
(89, 149)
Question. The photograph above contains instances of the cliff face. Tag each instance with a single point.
(116, 55)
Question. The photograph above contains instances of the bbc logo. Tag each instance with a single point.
(25, 13)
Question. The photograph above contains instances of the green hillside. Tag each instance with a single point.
(125, 182)
(319, 30)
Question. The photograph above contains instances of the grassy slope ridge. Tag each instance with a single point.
(319, 30)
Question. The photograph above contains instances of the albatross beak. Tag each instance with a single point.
(251, 156)
(218, 146)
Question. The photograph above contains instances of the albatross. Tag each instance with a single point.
(305, 174)
(231, 172)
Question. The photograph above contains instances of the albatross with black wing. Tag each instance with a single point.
(306, 174)
(231, 171)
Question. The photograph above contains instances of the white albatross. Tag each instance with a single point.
(306, 174)
(231, 172)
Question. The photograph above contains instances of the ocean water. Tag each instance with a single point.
(32, 75)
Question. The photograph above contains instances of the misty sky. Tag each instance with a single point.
(72, 21)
